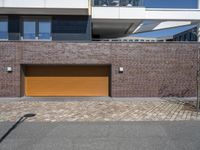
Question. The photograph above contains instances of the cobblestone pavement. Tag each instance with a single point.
(99, 109)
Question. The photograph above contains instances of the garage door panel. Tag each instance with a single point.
(68, 84)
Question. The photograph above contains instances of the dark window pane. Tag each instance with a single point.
(14, 27)
(44, 29)
(29, 29)
(14, 24)
(69, 24)
(185, 37)
(3, 28)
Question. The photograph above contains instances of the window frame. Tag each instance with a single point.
(38, 28)
(5, 18)
(37, 20)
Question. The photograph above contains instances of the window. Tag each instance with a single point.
(70, 28)
(190, 36)
(44, 29)
(36, 28)
(69, 24)
(180, 38)
(185, 37)
(29, 29)
(3, 28)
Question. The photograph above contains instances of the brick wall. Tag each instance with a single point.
(150, 69)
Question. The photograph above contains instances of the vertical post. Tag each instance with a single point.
(90, 4)
(198, 32)
(198, 80)
(198, 26)
(198, 61)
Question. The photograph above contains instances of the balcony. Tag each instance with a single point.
(118, 3)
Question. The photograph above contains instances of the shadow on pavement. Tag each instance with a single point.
(21, 120)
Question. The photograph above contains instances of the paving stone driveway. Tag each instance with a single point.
(99, 109)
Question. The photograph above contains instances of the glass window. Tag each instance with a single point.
(185, 37)
(36, 28)
(3, 28)
(190, 36)
(69, 24)
(29, 29)
(44, 29)
(180, 38)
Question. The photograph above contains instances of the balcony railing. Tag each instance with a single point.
(118, 3)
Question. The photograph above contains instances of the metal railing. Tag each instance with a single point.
(119, 3)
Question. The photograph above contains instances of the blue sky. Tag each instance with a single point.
(168, 4)
(171, 3)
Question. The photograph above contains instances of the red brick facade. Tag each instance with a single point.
(150, 69)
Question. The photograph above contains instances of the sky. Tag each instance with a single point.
(171, 3)
(168, 4)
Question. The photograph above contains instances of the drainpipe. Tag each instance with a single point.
(198, 63)
(198, 80)
(90, 4)
(198, 27)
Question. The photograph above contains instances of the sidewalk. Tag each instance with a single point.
(98, 109)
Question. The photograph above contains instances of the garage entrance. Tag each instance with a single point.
(67, 80)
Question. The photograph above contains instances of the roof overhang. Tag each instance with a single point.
(107, 21)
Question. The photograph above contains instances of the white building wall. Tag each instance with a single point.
(44, 4)
(145, 14)
(173, 14)
(105, 13)
(1, 3)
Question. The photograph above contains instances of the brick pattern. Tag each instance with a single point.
(150, 69)
(99, 109)
(161, 69)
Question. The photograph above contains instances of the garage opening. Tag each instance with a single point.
(66, 80)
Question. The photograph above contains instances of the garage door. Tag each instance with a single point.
(67, 80)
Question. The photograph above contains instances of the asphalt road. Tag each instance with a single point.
(102, 136)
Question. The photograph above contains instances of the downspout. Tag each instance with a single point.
(90, 3)
(198, 27)
(198, 63)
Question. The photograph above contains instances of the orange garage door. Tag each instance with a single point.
(67, 80)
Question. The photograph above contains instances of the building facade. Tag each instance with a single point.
(46, 49)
